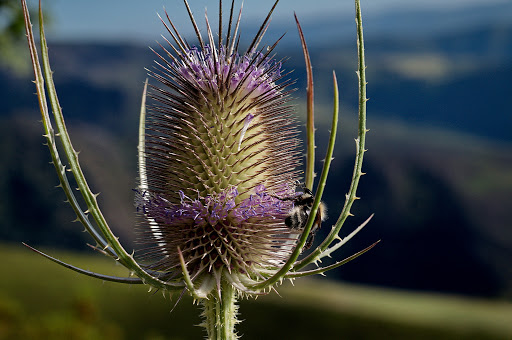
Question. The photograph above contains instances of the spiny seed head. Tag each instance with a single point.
(221, 147)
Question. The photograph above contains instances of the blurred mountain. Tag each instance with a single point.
(439, 167)
(455, 80)
(412, 21)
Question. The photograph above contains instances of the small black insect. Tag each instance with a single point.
(299, 214)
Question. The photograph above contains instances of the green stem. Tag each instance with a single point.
(220, 314)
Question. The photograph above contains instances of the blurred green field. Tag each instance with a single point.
(41, 300)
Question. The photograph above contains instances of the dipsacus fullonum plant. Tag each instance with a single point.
(220, 211)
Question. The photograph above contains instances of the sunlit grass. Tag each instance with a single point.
(40, 300)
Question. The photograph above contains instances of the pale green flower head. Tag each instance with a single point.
(220, 150)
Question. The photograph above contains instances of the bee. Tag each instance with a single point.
(299, 214)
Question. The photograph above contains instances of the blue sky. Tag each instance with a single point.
(136, 21)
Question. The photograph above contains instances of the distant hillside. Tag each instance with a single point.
(67, 305)
(442, 210)
(439, 166)
(454, 80)
(458, 79)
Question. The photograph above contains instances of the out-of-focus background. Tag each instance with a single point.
(439, 170)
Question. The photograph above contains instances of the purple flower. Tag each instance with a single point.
(221, 148)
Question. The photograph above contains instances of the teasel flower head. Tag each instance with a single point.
(220, 150)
